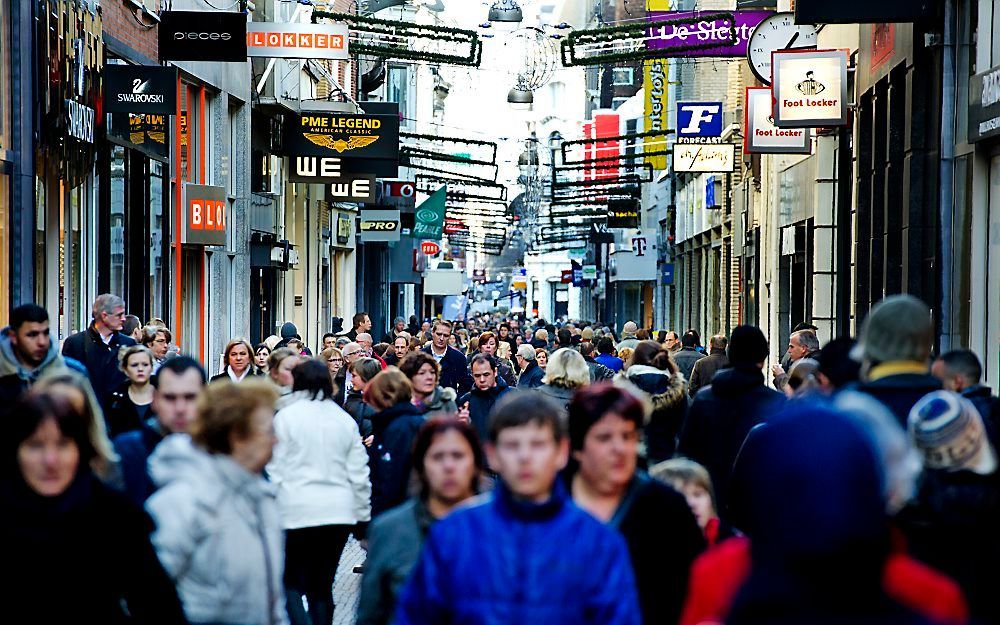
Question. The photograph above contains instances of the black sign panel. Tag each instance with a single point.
(984, 105)
(345, 135)
(863, 11)
(623, 213)
(599, 234)
(203, 36)
(146, 131)
(140, 89)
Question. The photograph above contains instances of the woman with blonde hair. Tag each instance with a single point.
(131, 403)
(236, 362)
(566, 372)
(279, 370)
(394, 427)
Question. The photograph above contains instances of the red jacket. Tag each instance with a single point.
(718, 574)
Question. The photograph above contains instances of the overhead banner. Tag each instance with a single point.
(429, 221)
(654, 85)
(288, 40)
(674, 39)
(213, 36)
(379, 225)
(984, 105)
(809, 88)
(205, 215)
(761, 136)
(705, 158)
(623, 213)
(319, 133)
(140, 89)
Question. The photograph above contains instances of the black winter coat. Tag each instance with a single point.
(719, 419)
(900, 392)
(685, 359)
(122, 415)
(134, 449)
(81, 557)
(392, 454)
(101, 360)
(361, 412)
(668, 394)
(454, 370)
(532, 376)
(480, 405)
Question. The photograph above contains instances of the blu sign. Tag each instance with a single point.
(699, 119)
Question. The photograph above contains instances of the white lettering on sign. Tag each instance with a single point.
(700, 113)
(313, 166)
(359, 187)
(79, 121)
(991, 88)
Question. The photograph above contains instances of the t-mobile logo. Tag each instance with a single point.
(699, 119)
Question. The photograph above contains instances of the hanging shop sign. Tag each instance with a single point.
(676, 40)
(143, 130)
(353, 136)
(705, 158)
(761, 136)
(140, 89)
(810, 88)
(79, 121)
(654, 85)
(623, 213)
(205, 215)
(400, 194)
(430, 248)
(379, 225)
(214, 36)
(864, 11)
(599, 233)
(429, 216)
(699, 119)
(984, 105)
(590, 272)
(352, 188)
(343, 228)
(293, 40)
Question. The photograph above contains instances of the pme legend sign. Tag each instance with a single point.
(361, 136)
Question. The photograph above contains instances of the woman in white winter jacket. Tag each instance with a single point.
(218, 532)
(320, 467)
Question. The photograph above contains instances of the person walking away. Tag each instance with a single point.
(77, 550)
(628, 340)
(693, 481)
(688, 355)
(424, 373)
(705, 368)
(394, 427)
(218, 528)
(598, 372)
(894, 349)
(606, 355)
(722, 414)
(97, 346)
(660, 530)
(567, 372)
(801, 344)
(236, 364)
(454, 368)
(175, 393)
(559, 564)
(398, 329)
(531, 373)
(476, 405)
(26, 353)
(449, 463)
(132, 328)
(131, 404)
(320, 469)
(362, 371)
(837, 370)
(654, 374)
(961, 372)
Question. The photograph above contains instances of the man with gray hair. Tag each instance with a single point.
(97, 346)
(531, 373)
(366, 342)
(801, 344)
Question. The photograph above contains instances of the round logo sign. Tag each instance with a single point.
(426, 214)
(430, 248)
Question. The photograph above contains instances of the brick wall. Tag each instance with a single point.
(123, 23)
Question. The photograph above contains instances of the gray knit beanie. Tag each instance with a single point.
(897, 328)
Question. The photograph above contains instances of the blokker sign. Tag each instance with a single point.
(297, 41)
(809, 88)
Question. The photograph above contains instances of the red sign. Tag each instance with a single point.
(566, 276)
(398, 188)
(454, 226)
(430, 248)
(205, 216)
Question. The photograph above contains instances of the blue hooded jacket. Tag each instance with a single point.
(505, 562)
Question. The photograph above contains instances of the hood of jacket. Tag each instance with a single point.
(177, 458)
(736, 381)
(9, 364)
(439, 398)
(662, 387)
(381, 420)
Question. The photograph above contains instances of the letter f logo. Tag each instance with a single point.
(691, 117)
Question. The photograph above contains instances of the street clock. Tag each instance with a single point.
(777, 32)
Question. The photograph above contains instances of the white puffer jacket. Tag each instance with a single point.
(218, 535)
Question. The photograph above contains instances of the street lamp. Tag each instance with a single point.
(505, 11)
(520, 97)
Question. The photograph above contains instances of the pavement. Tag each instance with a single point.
(347, 585)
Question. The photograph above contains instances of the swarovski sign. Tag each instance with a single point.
(140, 89)
(79, 121)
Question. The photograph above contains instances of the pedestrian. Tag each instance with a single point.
(290, 333)
(400, 348)
(606, 354)
(672, 341)
(334, 359)
(960, 371)
(801, 379)
(398, 328)
(260, 357)
(360, 322)
(218, 528)
(598, 372)
(628, 340)
(131, 403)
(97, 346)
(558, 563)
(488, 345)
(488, 387)
(342, 381)
(722, 414)
(329, 340)
(157, 340)
(425, 373)
(542, 357)
(837, 370)
(704, 369)
(368, 350)
(76, 548)
(503, 357)
(801, 344)
(320, 469)
(656, 377)
(175, 392)
(541, 339)
(894, 349)
(454, 368)
(236, 365)
(361, 372)
(26, 353)
(448, 461)
(132, 328)
(693, 481)
(531, 373)
(394, 427)
(280, 364)
(567, 372)
(688, 354)
(605, 424)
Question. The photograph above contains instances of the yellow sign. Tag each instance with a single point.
(657, 5)
(654, 84)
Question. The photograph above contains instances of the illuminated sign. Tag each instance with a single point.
(359, 136)
(761, 136)
(297, 41)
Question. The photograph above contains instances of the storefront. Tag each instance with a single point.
(6, 159)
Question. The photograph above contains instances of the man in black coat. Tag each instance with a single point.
(706, 368)
(97, 346)
(454, 369)
(723, 413)
(489, 388)
(960, 371)
(688, 355)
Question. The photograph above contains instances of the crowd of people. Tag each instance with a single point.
(499, 470)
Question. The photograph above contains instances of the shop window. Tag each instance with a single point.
(622, 76)
(397, 89)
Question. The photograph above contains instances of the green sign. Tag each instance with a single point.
(429, 220)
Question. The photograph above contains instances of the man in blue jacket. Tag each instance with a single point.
(454, 368)
(525, 553)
